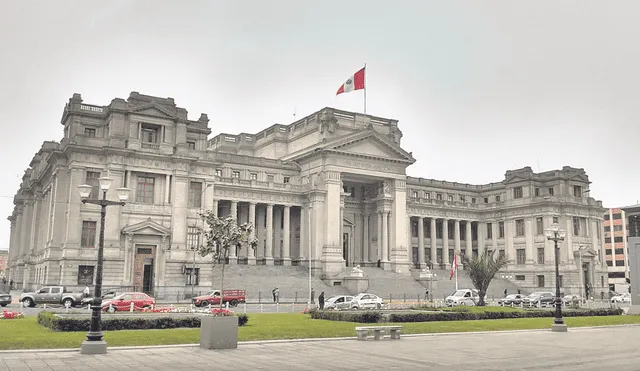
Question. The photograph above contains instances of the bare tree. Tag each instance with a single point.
(482, 269)
(222, 235)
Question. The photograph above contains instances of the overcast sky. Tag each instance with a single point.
(479, 87)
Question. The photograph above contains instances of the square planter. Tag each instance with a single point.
(219, 332)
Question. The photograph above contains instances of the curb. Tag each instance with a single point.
(309, 340)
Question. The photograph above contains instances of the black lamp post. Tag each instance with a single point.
(94, 343)
(555, 234)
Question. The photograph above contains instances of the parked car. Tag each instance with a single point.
(5, 299)
(511, 299)
(233, 297)
(463, 297)
(51, 295)
(542, 298)
(622, 298)
(123, 302)
(107, 296)
(366, 301)
(573, 300)
(339, 302)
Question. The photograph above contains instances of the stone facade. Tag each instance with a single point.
(330, 188)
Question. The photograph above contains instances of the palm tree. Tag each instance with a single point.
(482, 269)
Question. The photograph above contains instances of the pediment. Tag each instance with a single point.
(147, 227)
(580, 178)
(370, 144)
(152, 109)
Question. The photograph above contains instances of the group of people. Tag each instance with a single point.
(4, 283)
(320, 299)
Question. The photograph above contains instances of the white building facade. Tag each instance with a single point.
(331, 186)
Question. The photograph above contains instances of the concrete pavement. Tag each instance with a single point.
(583, 349)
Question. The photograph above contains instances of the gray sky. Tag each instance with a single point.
(479, 87)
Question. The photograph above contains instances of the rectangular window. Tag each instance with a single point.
(536, 191)
(501, 230)
(439, 196)
(540, 281)
(193, 237)
(555, 220)
(462, 199)
(85, 275)
(235, 174)
(606, 216)
(88, 237)
(502, 253)
(286, 179)
(427, 195)
(192, 276)
(577, 191)
(195, 194)
(145, 189)
(270, 178)
(539, 226)
(519, 227)
(473, 200)
(450, 198)
(91, 178)
(550, 189)
(498, 198)
(540, 255)
(219, 172)
(517, 192)
(520, 256)
(520, 277)
(489, 230)
(253, 176)
(576, 226)
(414, 194)
(617, 216)
(149, 133)
(191, 145)
(90, 132)
(486, 200)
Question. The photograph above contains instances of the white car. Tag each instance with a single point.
(339, 302)
(366, 301)
(622, 298)
(463, 297)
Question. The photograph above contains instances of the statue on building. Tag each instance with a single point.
(357, 272)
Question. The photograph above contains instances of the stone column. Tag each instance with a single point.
(113, 229)
(567, 256)
(456, 236)
(482, 237)
(469, 240)
(167, 189)
(286, 258)
(603, 260)
(251, 252)
(74, 222)
(341, 229)
(179, 208)
(494, 236)
(128, 259)
(233, 250)
(304, 240)
(421, 259)
(385, 237)
(594, 238)
(214, 207)
(365, 238)
(434, 243)
(528, 232)
(379, 252)
(269, 248)
(333, 262)
(445, 243)
(399, 241)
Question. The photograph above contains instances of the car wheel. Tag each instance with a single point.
(204, 303)
(233, 303)
(111, 309)
(68, 303)
(28, 303)
(3, 305)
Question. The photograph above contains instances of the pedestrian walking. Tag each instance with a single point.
(321, 300)
(505, 292)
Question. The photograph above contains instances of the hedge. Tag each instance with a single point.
(375, 317)
(66, 324)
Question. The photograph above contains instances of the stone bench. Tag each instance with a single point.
(378, 332)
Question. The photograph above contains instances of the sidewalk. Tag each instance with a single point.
(579, 349)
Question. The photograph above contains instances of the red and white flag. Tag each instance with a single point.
(454, 266)
(355, 82)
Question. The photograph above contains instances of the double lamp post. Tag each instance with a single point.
(555, 234)
(94, 343)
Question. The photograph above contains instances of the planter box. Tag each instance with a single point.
(219, 332)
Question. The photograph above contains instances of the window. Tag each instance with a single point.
(618, 239)
(497, 198)
(489, 230)
(85, 275)
(536, 191)
(540, 281)
(501, 230)
(439, 196)
(519, 227)
(450, 198)
(617, 216)
(149, 133)
(473, 200)
(576, 226)
(144, 189)
(609, 263)
(414, 194)
(486, 200)
(195, 194)
(606, 216)
(427, 195)
(520, 277)
(91, 179)
(235, 174)
(219, 172)
(517, 192)
(253, 176)
(462, 199)
(550, 189)
(617, 228)
(539, 226)
(619, 251)
(191, 145)
(270, 178)
(577, 191)
(88, 237)
(193, 237)
(555, 220)
(286, 179)
(193, 276)
(520, 256)
(90, 132)
(502, 253)
(414, 229)
(540, 255)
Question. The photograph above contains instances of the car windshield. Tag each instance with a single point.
(213, 293)
(332, 299)
(459, 293)
(119, 296)
(512, 296)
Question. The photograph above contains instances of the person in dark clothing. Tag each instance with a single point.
(505, 292)
(11, 285)
(321, 300)
(313, 297)
(518, 291)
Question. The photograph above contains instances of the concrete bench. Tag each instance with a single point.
(378, 332)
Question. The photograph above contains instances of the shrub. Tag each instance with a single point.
(360, 317)
(56, 323)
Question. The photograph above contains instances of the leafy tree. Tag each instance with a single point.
(482, 269)
(222, 235)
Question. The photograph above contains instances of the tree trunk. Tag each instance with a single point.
(482, 294)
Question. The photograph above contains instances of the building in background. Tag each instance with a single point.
(330, 188)
(615, 248)
(4, 260)
(632, 216)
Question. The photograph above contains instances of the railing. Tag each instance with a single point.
(150, 146)
(86, 107)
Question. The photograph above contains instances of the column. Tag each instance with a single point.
(304, 240)
(469, 240)
(379, 254)
(365, 238)
(269, 248)
(399, 240)
(456, 236)
(567, 257)
(333, 262)
(251, 252)
(214, 207)
(385, 236)
(286, 258)
(594, 238)
(445, 243)
(341, 233)
(434, 243)
(482, 237)
(603, 260)
(113, 227)
(179, 209)
(74, 223)
(494, 236)
(167, 188)
(421, 259)
(528, 232)
(233, 250)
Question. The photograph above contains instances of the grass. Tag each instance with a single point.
(27, 334)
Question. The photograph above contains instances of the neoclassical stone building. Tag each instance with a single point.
(332, 186)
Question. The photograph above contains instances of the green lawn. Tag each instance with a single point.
(27, 334)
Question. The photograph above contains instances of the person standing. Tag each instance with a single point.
(313, 297)
(321, 300)
(273, 292)
(505, 292)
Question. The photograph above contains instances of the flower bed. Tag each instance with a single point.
(11, 315)
(135, 322)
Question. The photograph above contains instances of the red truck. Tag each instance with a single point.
(233, 297)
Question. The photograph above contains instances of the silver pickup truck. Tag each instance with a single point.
(51, 295)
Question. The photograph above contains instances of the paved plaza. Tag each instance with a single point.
(579, 349)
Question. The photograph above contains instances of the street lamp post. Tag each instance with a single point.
(94, 343)
(555, 234)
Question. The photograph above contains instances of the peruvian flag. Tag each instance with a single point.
(355, 82)
(454, 266)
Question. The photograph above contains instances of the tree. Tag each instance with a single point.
(482, 269)
(222, 235)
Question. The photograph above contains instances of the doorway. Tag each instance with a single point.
(143, 274)
(345, 248)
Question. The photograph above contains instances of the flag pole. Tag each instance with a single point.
(365, 88)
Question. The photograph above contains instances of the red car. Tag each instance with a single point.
(233, 297)
(123, 302)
